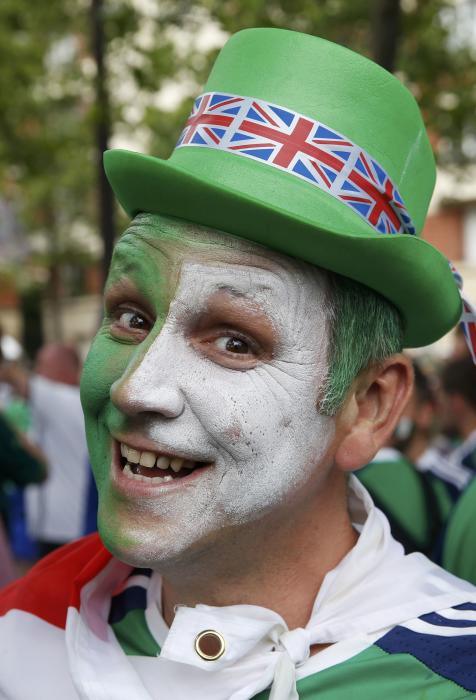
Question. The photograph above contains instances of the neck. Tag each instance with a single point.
(278, 565)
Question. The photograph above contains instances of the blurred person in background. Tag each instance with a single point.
(459, 547)
(458, 410)
(415, 437)
(10, 351)
(16, 410)
(21, 463)
(55, 510)
(411, 481)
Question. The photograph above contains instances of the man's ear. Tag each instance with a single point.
(372, 408)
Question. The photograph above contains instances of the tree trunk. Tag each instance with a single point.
(102, 135)
(385, 32)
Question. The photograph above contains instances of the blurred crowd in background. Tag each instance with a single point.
(424, 479)
(45, 478)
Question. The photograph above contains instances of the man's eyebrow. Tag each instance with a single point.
(233, 291)
(240, 293)
(229, 293)
(121, 284)
(123, 289)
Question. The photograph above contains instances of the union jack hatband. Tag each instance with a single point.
(302, 147)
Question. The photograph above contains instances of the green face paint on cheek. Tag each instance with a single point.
(145, 269)
(107, 360)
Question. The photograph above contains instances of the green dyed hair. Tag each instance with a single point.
(364, 329)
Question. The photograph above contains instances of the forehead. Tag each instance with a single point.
(160, 250)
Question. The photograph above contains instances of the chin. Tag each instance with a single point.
(146, 547)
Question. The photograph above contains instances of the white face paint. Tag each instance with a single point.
(253, 415)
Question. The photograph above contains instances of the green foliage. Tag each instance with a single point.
(47, 99)
(43, 160)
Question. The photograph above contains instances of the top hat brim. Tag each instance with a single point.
(408, 271)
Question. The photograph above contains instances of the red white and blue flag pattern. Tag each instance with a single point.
(468, 315)
(302, 147)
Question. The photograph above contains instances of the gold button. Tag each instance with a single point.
(209, 645)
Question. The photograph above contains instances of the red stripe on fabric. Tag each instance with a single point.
(220, 105)
(211, 134)
(367, 167)
(261, 111)
(381, 201)
(471, 328)
(292, 143)
(54, 584)
(332, 142)
(321, 173)
(248, 146)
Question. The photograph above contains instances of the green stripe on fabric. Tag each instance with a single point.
(134, 636)
(375, 675)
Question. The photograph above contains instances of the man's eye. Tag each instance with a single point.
(231, 343)
(129, 323)
(132, 319)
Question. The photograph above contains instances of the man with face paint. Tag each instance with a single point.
(249, 359)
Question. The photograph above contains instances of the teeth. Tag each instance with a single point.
(176, 464)
(147, 459)
(150, 460)
(133, 456)
(163, 462)
(138, 477)
(161, 479)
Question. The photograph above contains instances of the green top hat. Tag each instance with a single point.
(312, 150)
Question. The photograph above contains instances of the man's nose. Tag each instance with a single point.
(149, 387)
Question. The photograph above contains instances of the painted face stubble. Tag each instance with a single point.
(252, 415)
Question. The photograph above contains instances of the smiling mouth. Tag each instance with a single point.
(154, 467)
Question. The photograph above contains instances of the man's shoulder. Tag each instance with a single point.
(444, 642)
(53, 584)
